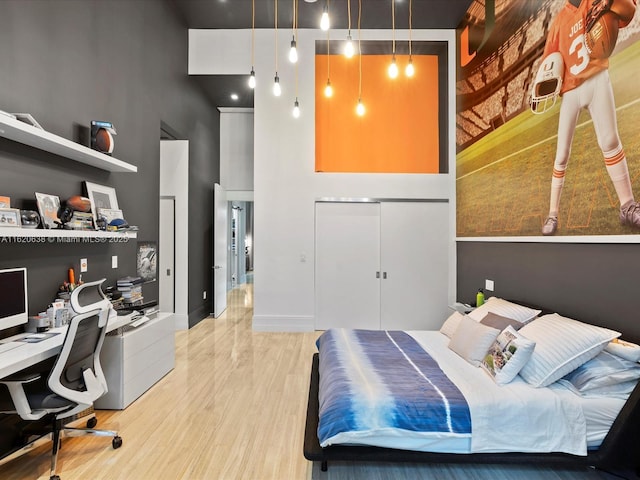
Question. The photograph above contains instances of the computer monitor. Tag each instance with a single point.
(13, 297)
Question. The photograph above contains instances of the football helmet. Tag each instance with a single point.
(547, 83)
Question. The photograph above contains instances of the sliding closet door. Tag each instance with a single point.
(347, 261)
(415, 262)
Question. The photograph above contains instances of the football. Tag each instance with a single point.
(601, 39)
(81, 204)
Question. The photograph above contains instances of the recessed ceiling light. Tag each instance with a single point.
(234, 96)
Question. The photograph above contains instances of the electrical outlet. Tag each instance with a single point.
(204, 295)
(488, 285)
(114, 261)
(83, 265)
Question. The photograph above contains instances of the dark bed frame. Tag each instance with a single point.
(619, 453)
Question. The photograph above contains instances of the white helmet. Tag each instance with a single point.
(547, 84)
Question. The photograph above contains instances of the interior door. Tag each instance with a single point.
(220, 227)
(347, 265)
(414, 258)
(166, 258)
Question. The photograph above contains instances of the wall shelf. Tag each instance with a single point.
(62, 235)
(29, 135)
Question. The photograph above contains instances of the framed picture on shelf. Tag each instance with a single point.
(9, 217)
(146, 261)
(5, 202)
(100, 197)
(48, 206)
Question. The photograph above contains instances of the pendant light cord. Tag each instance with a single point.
(393, 26)
(276, 32)
(253, 30)
(360, 52)
(410, 23)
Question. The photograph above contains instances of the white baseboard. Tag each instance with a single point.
(282, 323)
(182, 321)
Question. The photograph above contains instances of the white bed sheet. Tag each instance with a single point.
(600, 413)
(529, 419)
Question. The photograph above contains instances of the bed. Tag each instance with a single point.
(473, 412)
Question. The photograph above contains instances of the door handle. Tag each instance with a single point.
(384, 275)
(168, 272)
(377, 274)
(216, 267)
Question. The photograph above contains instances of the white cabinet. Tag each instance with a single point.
(382, 265)
(135, 358)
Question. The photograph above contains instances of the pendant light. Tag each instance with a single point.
(349, 49)
(277, 90)
(392, 71)
(252, 75)
(409, 70)
(293, 52)
(296, 104)
(328, 89)
(325, 23)
(360, 110)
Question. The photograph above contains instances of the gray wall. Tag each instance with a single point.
(68, 62)
(596, 283)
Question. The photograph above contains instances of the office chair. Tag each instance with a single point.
(76, 379)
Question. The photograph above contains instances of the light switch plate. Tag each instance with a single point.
(488, 285)
(83, 265)
(114, 261)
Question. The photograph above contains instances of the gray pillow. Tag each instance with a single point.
(498, 321)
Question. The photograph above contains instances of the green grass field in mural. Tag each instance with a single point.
(503, 180)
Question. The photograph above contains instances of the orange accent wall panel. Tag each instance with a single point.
(399, 131)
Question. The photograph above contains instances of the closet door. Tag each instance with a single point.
(414, 259)
(347, 261)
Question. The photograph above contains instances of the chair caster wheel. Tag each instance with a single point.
(92, 422)
(54, 477)
(116, 442)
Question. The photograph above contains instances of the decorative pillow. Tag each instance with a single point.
(498, 321)
(627, 350)
(472, 340)
(508, 354)
(505, 308)
(562, 345)
(605, 374)
(451, 324)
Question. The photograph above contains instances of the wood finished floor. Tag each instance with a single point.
(232, 409)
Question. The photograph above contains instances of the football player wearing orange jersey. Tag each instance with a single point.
(583, 82)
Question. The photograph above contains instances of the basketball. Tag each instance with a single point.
(601, 39)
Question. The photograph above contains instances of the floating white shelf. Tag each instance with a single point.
(29, 135)
(54, 235)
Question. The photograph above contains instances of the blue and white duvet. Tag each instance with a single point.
(383, 389)
(376, 383)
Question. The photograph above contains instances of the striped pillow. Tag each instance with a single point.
(504, 308)
(562, 345)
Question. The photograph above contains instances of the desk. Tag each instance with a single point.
(29, 354)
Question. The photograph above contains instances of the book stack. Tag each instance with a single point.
(131, 289)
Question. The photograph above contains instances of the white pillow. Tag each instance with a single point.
(605, 374)
(451, 324)
(508, 354)
(472, 340)
(627, 350)
(506, 309)
(562, 345)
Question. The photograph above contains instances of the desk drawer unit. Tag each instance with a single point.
(134, 359)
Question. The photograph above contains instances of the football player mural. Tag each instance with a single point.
(575, 65)
(539, 86)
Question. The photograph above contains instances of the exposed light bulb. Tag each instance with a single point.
(296, 109)
(409, 69)
(349, 49)
(277, 90)
(324, 20)
(328, 90)
(252, 79)
(392, 71)
(360, 108)
(293, 53)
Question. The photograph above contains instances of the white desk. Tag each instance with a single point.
(28, 354)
